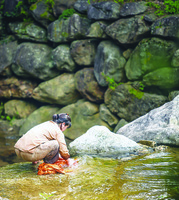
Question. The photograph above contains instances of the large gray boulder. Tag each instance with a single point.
(40, 115)
(128, 31)
(103, 11)
(84, 115)
(129, 103)
(62, 58)
(34, 60)
(28, 31)
(160, 125)
(59, 90)
(88, 87)
(7, 52)
(100, 141)
(167, 26)
(83, 51)
(109, 62)
(69, 29)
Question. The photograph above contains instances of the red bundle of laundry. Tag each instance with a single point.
(60, 166)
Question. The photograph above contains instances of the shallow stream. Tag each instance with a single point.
(149, 177)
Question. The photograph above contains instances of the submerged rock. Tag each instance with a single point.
(160, 125)
(100, 141)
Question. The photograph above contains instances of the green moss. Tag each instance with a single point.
(137, 93)
(64, 34)
(33, 7)
(48, 16)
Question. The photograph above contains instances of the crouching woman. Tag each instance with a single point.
(45, 141)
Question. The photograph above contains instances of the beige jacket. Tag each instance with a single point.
(42, 133)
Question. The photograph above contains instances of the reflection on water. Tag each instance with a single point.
(150, 177)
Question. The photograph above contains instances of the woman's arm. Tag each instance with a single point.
(63, 147)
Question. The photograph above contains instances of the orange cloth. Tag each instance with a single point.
(58, 167)
(40, 134)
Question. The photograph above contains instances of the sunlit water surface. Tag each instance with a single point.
(151, 177)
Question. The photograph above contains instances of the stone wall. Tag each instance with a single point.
(104, 63)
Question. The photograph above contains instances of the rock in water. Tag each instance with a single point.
(100, 141)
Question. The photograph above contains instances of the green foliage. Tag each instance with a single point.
(20, 10)
(171, 6)
(141, 86)
(168, 7)
(67, 13)
(111, 82)
(15, 13)
(137, 89)
(137, 93)
(33, 7)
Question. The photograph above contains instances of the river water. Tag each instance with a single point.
(150, 177)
